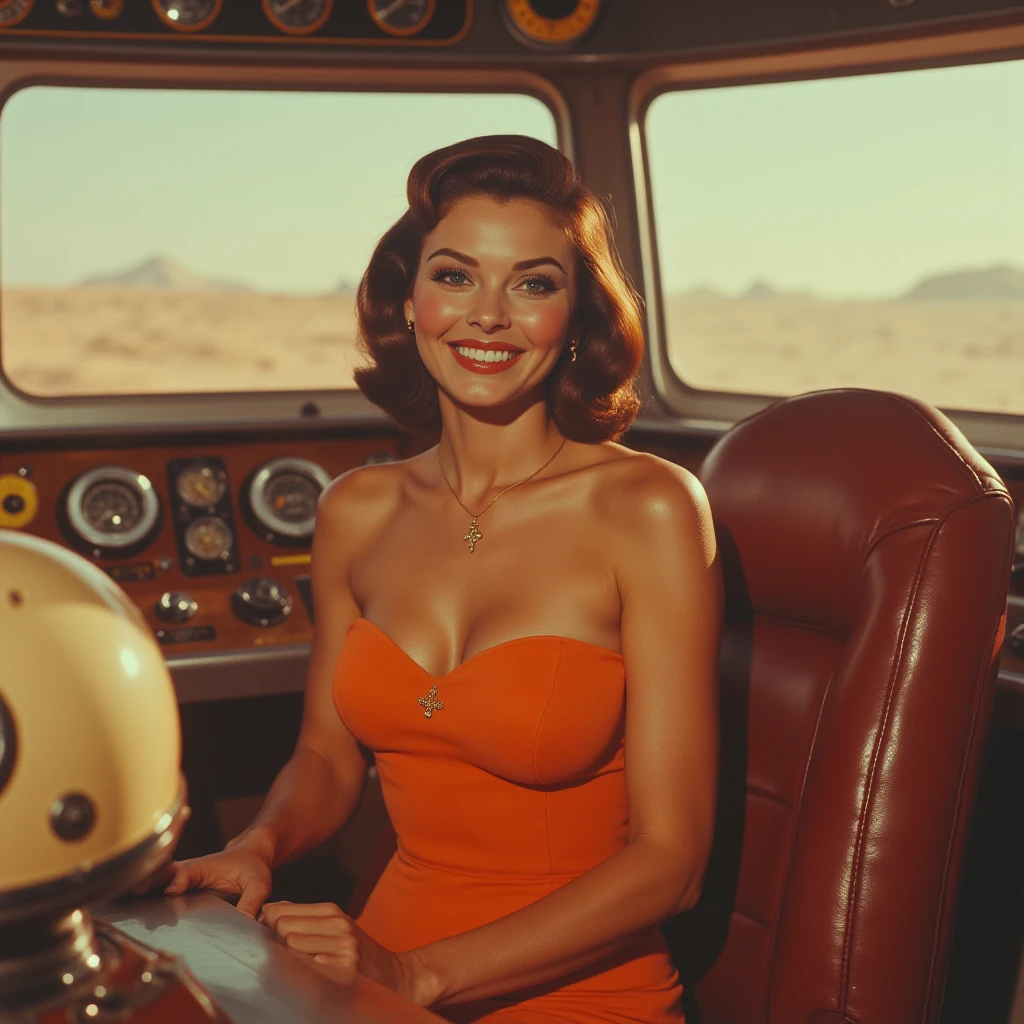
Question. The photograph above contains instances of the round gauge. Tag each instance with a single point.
(297, 17)
(552, 23)
(401, 17)
(283, 496)
(112, 507)
(13, 11)
(209, 538)
(187, 15)
(108, 10)
(201, 485)
(19, 501)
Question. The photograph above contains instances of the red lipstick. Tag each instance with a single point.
(479, 366)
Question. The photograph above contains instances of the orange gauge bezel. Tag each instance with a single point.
(290, 29)
(536, 29)
(107, 15)
(401, 32)
(197, 27)
(20, 18)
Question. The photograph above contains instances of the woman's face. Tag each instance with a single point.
(493, 299)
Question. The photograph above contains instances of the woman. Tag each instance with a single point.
(522, 623)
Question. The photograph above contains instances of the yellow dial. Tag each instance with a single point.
(19, 501)
(552, 22)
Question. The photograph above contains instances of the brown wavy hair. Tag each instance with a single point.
(592, 399)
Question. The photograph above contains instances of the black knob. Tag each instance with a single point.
(262, 601)
(13, 504)
(174, 606)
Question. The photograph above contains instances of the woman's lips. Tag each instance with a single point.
(476, 366)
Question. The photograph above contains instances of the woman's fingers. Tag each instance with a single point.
(343, 947)
(254, 892)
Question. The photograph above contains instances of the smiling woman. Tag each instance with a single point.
(529, 677)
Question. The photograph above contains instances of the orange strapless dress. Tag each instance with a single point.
(510, 789)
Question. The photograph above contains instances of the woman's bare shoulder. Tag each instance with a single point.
(362, 498)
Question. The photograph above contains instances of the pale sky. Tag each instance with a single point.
(853, 187)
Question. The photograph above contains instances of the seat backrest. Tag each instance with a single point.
(867, 549)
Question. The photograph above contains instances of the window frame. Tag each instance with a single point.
(700, 410)
(22, 412)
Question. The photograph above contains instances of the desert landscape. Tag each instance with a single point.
(956, 340)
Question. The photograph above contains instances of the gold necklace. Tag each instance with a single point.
(474, 534)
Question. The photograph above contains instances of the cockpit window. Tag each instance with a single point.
(865, 231)
(167, 241)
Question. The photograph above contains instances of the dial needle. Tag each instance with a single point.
(287, 6)
(391, 8)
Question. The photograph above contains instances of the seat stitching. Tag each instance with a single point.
(980, 679)
(869, 785)
(792, 847)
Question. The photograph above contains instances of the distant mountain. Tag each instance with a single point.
(163, 272)
(999, 283)
(702, 291)
(345, 287)
(762, 290)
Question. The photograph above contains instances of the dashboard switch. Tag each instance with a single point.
(262, 601)
(175, 606)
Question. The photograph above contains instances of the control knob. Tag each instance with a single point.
(262, 601)
(176, 606)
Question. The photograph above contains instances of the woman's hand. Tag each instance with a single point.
(241, 871)
(332, 938)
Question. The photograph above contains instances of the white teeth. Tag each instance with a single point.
(485, 355)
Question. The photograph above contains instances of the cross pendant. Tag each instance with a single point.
(473, 536)
(430, 702)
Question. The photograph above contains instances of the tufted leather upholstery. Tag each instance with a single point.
(867, 550)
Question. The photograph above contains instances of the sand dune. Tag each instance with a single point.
(136, 340)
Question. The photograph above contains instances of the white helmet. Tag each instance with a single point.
(91, 794)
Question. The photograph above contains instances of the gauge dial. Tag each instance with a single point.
(201, 485)
(187, 15)
(552, 23)
(283, 496)
(108, 10)
(112, 507)
(401, 17)
(209, 538)
(297, 17)
(13, 11)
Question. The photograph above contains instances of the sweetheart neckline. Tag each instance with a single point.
(479, 654)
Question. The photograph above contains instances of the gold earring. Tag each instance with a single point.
(572, 350)
(410, 325)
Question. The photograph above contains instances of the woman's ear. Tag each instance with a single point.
(408, 309)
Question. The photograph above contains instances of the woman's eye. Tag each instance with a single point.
(539, 285)
(450, 276)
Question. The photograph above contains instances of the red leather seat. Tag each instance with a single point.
(867, 549)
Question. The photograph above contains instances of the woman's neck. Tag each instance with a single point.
(481, 454)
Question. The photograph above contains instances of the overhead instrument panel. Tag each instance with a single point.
(111, 511)
(551, 24)
(281, 498)
(398, 23)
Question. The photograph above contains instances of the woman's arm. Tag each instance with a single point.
(319, 788)
(671, 589)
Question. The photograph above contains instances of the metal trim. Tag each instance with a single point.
(146, 492)
(261, 508)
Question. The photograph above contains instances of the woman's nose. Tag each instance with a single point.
(489, 311)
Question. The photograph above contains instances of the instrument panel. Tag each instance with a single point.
(212, 542)
(345, 22)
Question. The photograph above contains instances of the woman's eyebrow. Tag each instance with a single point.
(521, 265)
